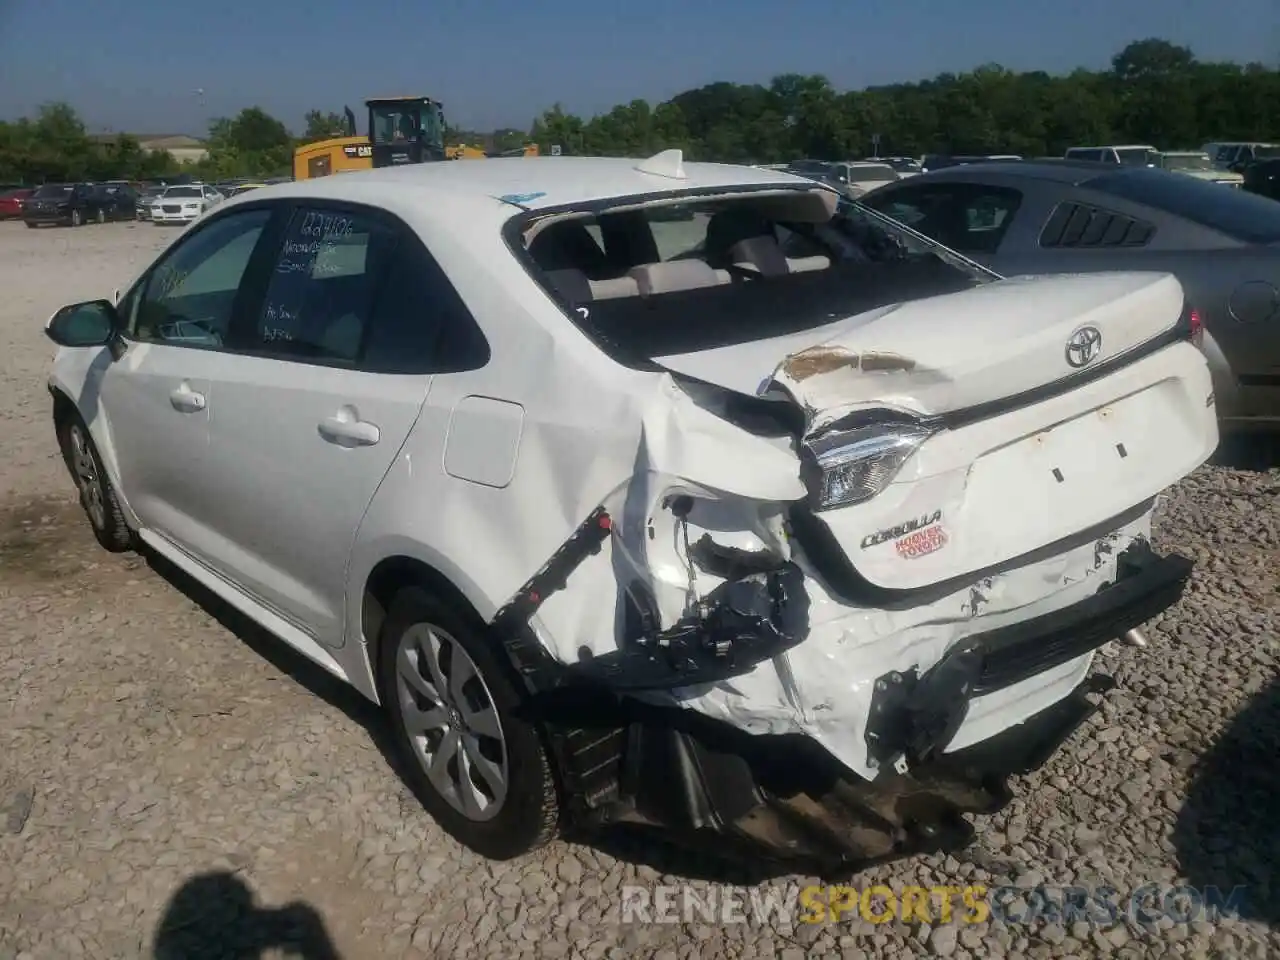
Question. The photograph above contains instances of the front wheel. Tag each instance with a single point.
(77, 218)
(102, 215)
(478, 768)
(97, 496)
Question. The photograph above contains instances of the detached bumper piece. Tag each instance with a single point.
(785, 800)
(913, 717)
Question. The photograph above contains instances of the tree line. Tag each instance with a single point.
(1154, 92)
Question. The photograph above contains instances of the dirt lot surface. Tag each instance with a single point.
(175, 784)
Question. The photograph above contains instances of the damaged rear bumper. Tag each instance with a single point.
(788, 796)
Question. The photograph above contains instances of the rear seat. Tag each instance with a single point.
(575, 286)
(669, 277)
(652, 278)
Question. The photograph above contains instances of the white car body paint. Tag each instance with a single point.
(183, 209)
(484, 474)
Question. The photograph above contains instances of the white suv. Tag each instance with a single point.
(688, 494)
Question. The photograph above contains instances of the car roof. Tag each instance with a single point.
(1118, 146)
(533, 183)
(1059, 171)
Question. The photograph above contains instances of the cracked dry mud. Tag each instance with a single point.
(156, 754)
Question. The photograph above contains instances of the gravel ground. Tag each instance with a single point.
(170, 777)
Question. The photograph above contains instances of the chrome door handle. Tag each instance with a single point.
(349, 432)
(187, 400)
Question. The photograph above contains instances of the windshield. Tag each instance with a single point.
(1245, 216)
(176, 193)
(1186, 161)
(675, 278)
(401, 122)
(54, 190)
(1134, 156)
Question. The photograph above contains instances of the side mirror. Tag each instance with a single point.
(90, 324)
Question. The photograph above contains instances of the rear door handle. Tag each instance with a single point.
(349, 432)
(187, 400)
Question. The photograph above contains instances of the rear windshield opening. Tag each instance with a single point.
(667, 279)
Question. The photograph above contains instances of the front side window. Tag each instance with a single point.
(188, 297)
(324, 287)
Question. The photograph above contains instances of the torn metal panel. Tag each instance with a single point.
(824, 687)
(1004, 350)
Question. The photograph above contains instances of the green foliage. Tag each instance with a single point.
(252, 143)
(1154, 92)
(323, 126)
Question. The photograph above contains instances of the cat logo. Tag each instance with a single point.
(358, 151)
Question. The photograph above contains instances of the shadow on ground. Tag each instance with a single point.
(1227, 834)
(213, 915)
(284, 658)
(1249, 451)
(636, 845)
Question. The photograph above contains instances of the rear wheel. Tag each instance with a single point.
(102, 215)
(31, 225)
(479, 769)
(97, 496)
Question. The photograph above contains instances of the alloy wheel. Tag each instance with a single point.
(87, 478)
(451, 721)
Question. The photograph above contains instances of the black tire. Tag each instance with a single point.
(102, 215)
(77, 218)
(528, 815)
(102, 507)
(31, 225)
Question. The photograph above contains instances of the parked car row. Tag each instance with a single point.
(73, 204)
(11, 201)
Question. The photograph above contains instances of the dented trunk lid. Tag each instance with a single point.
(950, 352)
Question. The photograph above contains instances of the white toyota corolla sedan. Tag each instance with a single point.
(679, 493)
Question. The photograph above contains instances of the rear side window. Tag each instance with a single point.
(1239, 214)
(420, 323)
(322, 291)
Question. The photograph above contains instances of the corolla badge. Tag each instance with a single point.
(1084, 346)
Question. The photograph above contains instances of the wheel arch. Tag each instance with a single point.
(388, 577)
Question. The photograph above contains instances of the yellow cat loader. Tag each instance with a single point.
(401, 130)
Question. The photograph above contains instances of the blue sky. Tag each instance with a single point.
(136, 65)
